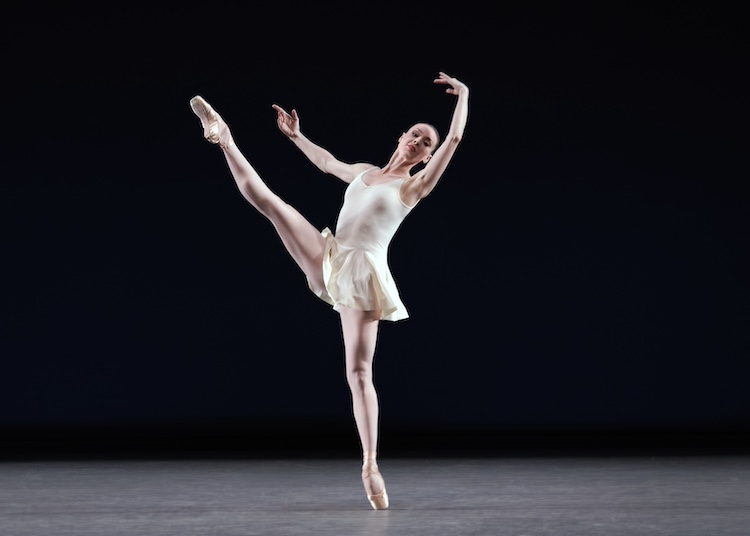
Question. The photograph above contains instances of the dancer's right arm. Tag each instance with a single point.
(320, 157)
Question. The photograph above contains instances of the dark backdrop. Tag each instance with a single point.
(581, 268)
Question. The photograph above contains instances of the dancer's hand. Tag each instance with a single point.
(456, 86)
(288, 124)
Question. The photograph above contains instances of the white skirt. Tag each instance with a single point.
(358, 279)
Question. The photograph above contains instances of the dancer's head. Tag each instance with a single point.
(419, 142)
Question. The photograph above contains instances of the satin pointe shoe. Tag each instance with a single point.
(379, 501)
(215, 129)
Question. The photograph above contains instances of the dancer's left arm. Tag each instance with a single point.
(424, 181)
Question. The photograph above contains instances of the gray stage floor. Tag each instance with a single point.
(532, 496)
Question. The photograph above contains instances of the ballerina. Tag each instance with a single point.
(349, 268)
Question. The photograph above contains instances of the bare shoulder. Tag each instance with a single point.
(348, 172)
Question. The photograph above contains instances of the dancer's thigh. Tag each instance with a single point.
(360, 331)
(302, 240)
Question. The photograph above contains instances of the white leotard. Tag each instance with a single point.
(355, 264)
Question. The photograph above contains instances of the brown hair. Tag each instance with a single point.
(437, 133)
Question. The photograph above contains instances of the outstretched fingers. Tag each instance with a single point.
(281, 114)
(454, 83)
(288, 124)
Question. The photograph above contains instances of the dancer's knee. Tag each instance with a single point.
(359, 378)
(270, 206)
(265, 201)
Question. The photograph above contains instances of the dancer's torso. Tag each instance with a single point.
(371, 215)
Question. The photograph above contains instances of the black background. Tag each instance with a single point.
(581, 270)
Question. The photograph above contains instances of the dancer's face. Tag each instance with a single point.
(418, 143)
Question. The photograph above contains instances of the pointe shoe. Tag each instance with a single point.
(379, 501)
(215, 129)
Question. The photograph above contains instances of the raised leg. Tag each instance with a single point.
(303, 241)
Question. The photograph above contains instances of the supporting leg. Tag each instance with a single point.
(360, 330)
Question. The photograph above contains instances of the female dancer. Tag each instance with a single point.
(349, 270)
